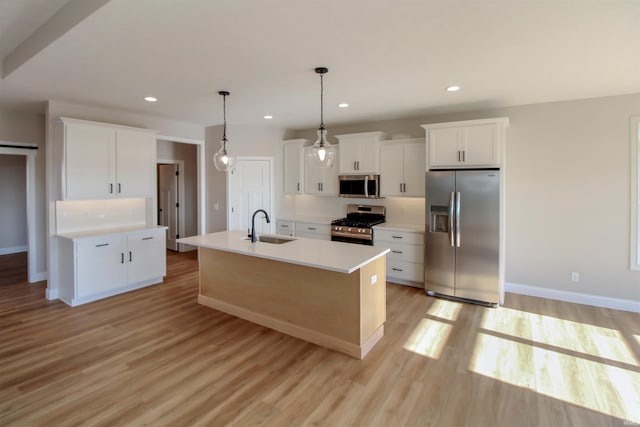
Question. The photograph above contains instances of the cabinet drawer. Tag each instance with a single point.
(286, 228)
(402, 252)
(306, 228)
(405, 271)
(380, 235)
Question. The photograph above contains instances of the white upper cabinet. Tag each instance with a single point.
(402, 167)
(293, 166)
(472, 143)
(319, 180)
(103, 161)
(359, 153)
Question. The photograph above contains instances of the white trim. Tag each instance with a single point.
(51, 293)
(634, 252)
(202, 175)
(574, 297)
(181, 202)
(14, 250)
(32, 247)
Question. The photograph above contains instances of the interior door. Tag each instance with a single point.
(250, 188)
(168, 210)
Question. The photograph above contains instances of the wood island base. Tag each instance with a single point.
(339, 311)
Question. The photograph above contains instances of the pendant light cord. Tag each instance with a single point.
(322, 101)
(224, 115)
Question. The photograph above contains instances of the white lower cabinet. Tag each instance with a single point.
(285, 227)
(97, 267)
(405, 262)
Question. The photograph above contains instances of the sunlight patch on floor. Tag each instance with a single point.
(575, 336)
(428, 338)
(445, 309)
(587, 383)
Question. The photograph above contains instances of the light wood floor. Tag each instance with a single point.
(156, 357)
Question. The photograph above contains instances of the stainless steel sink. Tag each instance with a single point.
(272, 239)
(275, 240)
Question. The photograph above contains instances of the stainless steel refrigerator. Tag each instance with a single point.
(462, 238)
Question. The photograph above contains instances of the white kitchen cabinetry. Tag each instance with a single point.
(472, 143)
(102, 161)
(402, 168)
(96, 267)
(360, 153)
(320, 180)
(285, 227)
(313, 230)
(293, 165)
(405, 262)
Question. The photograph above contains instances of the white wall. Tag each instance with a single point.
(168, 150)
(567, 191)
(18, 126)
(13, 204)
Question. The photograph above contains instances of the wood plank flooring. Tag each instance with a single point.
(156, 357)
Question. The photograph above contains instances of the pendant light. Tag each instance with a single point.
(322, 153)
(224, 159)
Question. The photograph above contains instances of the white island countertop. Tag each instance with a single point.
(324, 254)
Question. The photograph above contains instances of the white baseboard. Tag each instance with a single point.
(39, 276)
(587, 299)
(51, 294)
(13, 250)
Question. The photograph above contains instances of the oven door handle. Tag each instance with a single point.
(353, 236)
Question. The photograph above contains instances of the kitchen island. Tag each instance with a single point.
(329, 293)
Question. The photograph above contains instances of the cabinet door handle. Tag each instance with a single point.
(404, 187)
(298, 186)
(397, 237)
(121, 257)
(147, 238)
(397, 252)
(102, 244)
(110, 188)
(130, 257)
(459, 157)
(396, 269)
(119, 188)
(401, 187)
(464, 155)
(358, 165)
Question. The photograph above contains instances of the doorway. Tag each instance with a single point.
(170, 203)
(250, 187)
(28, 152)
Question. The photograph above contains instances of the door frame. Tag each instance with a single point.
(181, 207)
(30, 151)
(271, 188)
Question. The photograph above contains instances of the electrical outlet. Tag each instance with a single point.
(575, 276)
(374, 279)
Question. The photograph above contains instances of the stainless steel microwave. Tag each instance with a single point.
(360, 186)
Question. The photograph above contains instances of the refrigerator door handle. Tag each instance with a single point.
(457, 214)
(451, 219)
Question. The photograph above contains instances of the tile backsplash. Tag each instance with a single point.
(81, 215)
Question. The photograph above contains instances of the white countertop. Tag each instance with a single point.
(323, 254)
(394, 226)
(314, 219)
(75, 235)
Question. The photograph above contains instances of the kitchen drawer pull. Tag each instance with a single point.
(311, 228)
(397, 252)
(284, 226)
(102, 244)
(397, 237)
(397, 269)
(147, 238)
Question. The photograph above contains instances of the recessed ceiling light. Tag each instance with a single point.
(343, 105)
(268, 117)
(453, 88)
(150, 99)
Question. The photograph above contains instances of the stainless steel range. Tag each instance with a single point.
(356, 227)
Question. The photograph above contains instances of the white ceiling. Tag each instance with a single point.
(386, 58)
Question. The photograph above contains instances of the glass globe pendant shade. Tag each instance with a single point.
(224, 159)
(322, 154)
